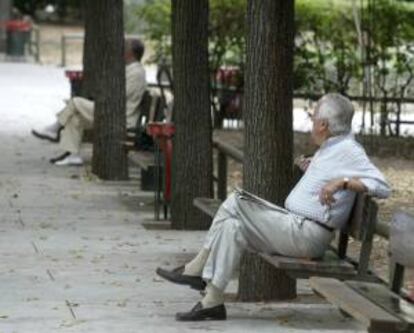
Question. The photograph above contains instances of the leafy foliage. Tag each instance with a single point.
(335, 42)
(63, 7)
(157, 16)
(226, 30)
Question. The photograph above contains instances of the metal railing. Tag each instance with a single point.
(34, 43)
(63, 44)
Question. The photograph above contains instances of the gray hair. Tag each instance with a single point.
(338, 111)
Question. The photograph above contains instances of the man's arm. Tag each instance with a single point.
(326, 196)
(302, 162)
(355, 172)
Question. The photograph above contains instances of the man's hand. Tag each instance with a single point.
(302, 162)
(326, 196)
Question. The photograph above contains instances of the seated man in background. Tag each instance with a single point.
(319, 204)
(78, 114)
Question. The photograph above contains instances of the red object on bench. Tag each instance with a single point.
(18, 25)
(162, 133)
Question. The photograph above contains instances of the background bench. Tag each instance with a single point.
(380, 308)
(151, 151)
(139, 145)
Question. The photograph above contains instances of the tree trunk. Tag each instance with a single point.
(90, 45)
(267, 169)
(192, 158)
(109, 155)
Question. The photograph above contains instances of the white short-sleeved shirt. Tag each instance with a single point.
(338, 157)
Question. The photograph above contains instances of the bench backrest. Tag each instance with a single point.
(149, 110)
(363, 218)
(402, 229)
(361, 227)
(164, 79)
(144, 108)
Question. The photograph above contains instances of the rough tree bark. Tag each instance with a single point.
(192, 158)
(267, 169)
(89, 51)
(107, 50)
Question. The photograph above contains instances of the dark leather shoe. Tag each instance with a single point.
(197, 313)
(60, 157)
(47, 135)
(177, 276)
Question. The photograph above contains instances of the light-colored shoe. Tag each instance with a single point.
(71, 160)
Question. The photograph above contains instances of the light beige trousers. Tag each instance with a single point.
(245, 221)
(75, 117)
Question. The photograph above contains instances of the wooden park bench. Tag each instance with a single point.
(380, 308)
(151, 151)
(335, 263)
(140, 144)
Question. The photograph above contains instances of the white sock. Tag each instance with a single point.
(195, 266)
(213, 297)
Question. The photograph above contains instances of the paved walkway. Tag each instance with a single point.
(75, 255)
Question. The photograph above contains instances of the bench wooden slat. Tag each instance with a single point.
(143, 159)
(347, 299)
(329, 265)
(380, 295)
(362, 221)
(207, 205)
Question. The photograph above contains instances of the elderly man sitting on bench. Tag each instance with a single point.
(318, 205)
(78, 114)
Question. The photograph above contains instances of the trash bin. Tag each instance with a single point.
(18, 34)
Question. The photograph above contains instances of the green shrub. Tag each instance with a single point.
(327, 45)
